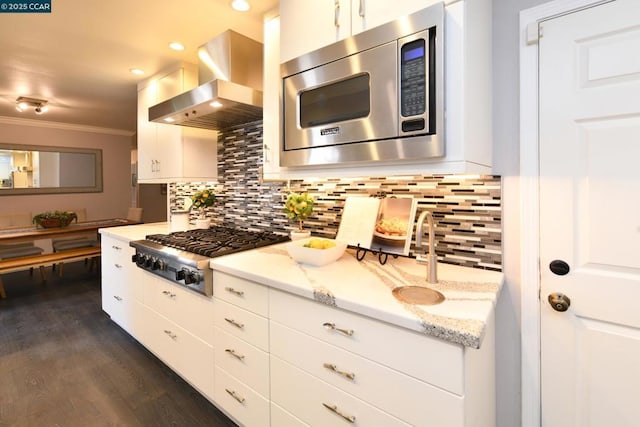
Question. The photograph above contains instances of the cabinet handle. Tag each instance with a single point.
(336, 14)
(235, 395)
(117, 265)
(234, 354)
(335, 369)
(117, 298)
(234, 291)
(335, 409)
(117, 248)
(171, 334)
(332, 326)
(234, 323)
(361, 9)
(169, 294)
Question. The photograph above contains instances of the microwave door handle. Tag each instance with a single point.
(361, 9)
(336, 14)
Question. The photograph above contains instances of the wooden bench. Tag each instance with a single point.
(41, 261)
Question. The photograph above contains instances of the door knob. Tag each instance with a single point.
(559, 302)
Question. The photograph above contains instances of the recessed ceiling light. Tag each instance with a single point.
(240, 5)
(169, 120)
(136, 71)
(176, 46)
(216, 104)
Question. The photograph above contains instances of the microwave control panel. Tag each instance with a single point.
(413, 80)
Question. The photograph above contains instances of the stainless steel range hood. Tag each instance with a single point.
(229, 91)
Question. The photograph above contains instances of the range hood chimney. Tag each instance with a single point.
(229, 91)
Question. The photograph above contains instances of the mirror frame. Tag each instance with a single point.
(97, 188)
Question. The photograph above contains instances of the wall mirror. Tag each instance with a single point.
(38, 169)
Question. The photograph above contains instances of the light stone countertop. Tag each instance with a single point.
(365, 287)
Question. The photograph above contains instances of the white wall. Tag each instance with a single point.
(115, 198)
(506, 162)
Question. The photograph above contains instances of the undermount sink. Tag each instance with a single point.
(418, 295)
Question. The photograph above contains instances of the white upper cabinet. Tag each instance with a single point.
(169, 152)
(312, 24)
(304, 26)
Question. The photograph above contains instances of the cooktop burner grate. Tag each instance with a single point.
(217, 240)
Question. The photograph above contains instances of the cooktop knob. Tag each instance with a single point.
(140, 259)
(191, 277)
(156, 264)
(148, 261)
(180, 275)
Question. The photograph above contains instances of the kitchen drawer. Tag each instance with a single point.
(281, 418)
(429, 359)
(186, 354)
(116, 251)
(241, 402)
(243, 324)
(247, 363)
(243, 293)
(418, 403)
(189, 309)
(305, 397)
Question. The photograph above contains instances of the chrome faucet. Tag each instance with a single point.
(432, 259)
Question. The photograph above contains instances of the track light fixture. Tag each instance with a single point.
(39, 105)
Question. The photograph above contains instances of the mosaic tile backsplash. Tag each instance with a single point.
(466, 209)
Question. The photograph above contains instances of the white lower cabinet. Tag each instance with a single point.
(185, 353)
(330, 366)
(242, 379)
(386, 389)
(318, 403)
(121, 292)
(178, 329)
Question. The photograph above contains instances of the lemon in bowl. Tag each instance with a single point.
(316, 251)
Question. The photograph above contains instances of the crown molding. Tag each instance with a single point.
(65, 126)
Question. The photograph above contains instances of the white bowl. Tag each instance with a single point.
(312, 256)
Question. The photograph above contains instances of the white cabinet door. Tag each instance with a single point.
(311, 24)
(169, 152)
(146, 132)
(367, 14)
(120, 291)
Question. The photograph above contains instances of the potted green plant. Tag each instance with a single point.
(299, 207)
(202, 200)
(51, 219)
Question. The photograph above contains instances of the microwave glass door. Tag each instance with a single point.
(336, 102)
(353, 99)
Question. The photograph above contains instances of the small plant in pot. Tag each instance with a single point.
(51, 219)
(299, 207)
(202, 200)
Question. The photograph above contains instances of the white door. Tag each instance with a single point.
(590, 216)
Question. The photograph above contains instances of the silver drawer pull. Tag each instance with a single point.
(335, 369)
(234, 291)
(335, 409)
(171, 334)
(117, 266)
(234, 323)
(117, 297)
(332, 326)
(117, 248)
(234, 354)
(235, 395)
(169, 294)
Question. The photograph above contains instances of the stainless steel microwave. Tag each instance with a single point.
(377, 96)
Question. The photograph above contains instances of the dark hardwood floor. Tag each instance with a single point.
(63, 362)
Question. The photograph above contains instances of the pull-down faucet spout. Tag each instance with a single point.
(432, 259)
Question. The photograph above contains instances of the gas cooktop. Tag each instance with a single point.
(217, 241)
(183, 256)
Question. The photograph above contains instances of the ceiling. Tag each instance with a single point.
(78, 57)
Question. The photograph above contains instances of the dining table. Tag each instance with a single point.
(31, 233)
